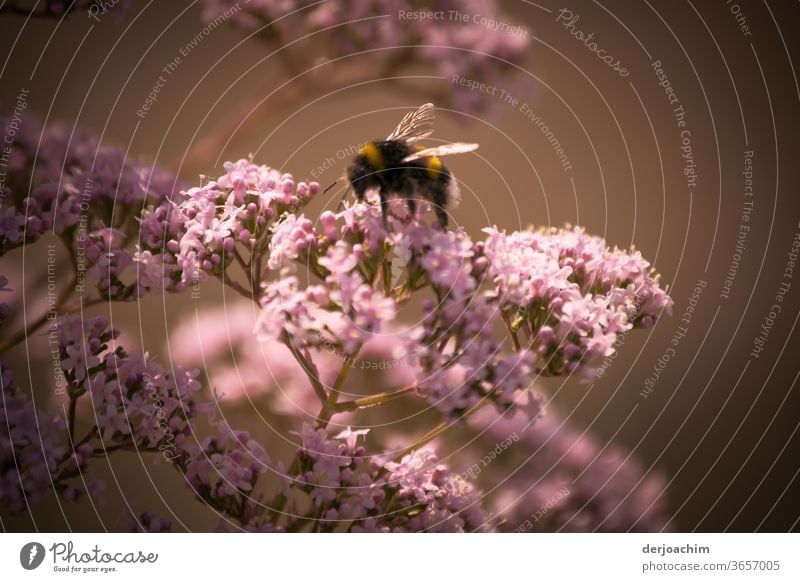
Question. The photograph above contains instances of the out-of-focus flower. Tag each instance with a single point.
(67, 182)
(239, 208)
(32, 447)
(345, 316)
(240, 369)
(470, 39)
(564, 480)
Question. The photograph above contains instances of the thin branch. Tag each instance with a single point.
(258, 272)
(206, 148)
(73, 403)
(73, 447)
(323, 418)
(374, 400)
(308, 367)
(257, 112)
(328, 409)
(237, 255)
(439, 429)
(236, 286)
(511, 332)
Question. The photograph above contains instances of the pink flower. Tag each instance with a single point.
(443, 501)
(292, 237)
(340, 259)
(521, 273)
(446, 258)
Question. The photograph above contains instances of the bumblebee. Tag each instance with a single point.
(396, 166)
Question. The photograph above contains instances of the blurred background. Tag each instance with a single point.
(645, 143)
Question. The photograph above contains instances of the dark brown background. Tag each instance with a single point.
(722, 426)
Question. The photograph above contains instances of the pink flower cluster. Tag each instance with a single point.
(428, 497)
(223, 470)
(239, 208)
(136, 405)
(329, 474)
(416, 494)
(566, 293)
(569, 295)
(87, 193)
(139, 405)
(325, 293)
(462, 363)
(470, 39)
(137, 402)
(345, 315)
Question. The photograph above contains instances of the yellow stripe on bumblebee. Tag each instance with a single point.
(373, 154)
(434, 167)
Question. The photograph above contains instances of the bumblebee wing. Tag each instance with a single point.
(442, 150)
(454, 193)
(416, 125)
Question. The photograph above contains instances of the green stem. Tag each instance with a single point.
(374, 400)
(329, 407)
(511, 332)
(386, 271)
(258, 273)
(438, 430)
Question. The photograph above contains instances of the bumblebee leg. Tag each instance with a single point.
(409, 195)
(442, 216)
(412, 206)
(438, 193)
(360, 188)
